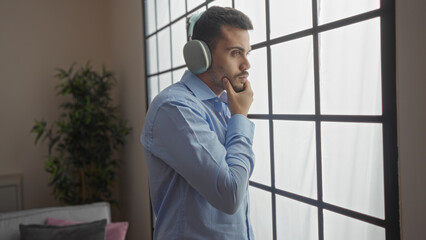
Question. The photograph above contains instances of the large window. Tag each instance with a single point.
(323, 73)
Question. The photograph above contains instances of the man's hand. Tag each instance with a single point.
(238, 103)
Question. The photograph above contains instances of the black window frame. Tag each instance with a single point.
(386, 13)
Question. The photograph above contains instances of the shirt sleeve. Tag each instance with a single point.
(182, 137)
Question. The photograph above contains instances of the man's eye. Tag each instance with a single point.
(236, 53)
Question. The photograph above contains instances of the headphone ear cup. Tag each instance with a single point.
(197, 56)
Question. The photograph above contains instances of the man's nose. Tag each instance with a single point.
(245, 65)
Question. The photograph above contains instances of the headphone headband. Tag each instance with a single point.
(196, 52)
(192, 20)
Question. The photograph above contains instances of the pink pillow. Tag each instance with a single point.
(114, 231)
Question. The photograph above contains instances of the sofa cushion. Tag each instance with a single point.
(9, 222)
(92, 230)
(114, 231)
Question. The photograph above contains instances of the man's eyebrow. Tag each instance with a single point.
(239, 48)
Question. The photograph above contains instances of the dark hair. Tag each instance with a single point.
(208, 27)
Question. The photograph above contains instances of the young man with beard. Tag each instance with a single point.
(197, 139)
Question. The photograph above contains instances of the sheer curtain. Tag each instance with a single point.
(351, 152)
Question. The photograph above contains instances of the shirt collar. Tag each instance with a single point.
(199, 88)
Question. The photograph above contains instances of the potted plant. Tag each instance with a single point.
(83, 140)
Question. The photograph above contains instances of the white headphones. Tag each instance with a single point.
(195, 52)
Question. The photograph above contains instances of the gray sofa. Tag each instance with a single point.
(10, 221)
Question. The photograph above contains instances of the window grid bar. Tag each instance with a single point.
(156, 43)
(145, 62)
(165, 71)
(321, 28)
(320, 209)
(158, 62)
(171, 42)
(144, 11)
(178, 18)
(303, 33)
(322, 118)
(311, 31)
(286, 194)
(327, 206)
(355, 215)
(271, 125)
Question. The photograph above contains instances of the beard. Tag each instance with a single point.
(235, 82)
(217, 76)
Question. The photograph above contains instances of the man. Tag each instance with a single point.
(198, 148)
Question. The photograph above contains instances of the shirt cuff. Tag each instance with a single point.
(241, 125)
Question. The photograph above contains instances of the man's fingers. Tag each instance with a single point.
(227, 85)
(247, 85)
(238, 103)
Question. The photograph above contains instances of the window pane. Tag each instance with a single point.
(289, 16)
(194, 3)
(352, 162)
(259, 81)
(222, 3)
(164, 50)
(262, 170)
(331, 10)
(165, 80)
(260, 213)
(179, 40)
(177, 74)
(338, 227)
(152, 87)
(255, 10)
(177, 8)
(295, 158)
(296, 220)
(350, 72)
(151, 49)
(150, 16)
(293, 77)
(162, 13)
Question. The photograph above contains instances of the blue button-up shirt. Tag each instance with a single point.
(199, 161)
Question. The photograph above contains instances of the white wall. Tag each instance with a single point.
(35, 38)
(411, 85)
(127, 37)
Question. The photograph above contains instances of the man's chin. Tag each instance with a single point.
(238, 84)
(238, 88)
